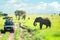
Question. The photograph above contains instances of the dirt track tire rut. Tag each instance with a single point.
(1, 35)
(12, 35)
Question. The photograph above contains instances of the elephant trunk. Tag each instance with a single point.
(34, 23)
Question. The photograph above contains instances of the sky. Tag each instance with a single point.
(30, 6)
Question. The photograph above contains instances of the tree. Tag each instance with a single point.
(59, 14)
(0, 13)
(24, 17)
(54, 13)
(4, 14)
(19, 13)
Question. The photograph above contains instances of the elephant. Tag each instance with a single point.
(42, 21)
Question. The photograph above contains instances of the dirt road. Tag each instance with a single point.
(12, 35)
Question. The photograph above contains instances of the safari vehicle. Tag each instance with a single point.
(9, 25)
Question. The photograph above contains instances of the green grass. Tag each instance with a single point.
(5, 36)
(1, 23)
(44, 34)
(17, 34)
(52, 33)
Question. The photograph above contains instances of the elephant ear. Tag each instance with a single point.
(40, 18)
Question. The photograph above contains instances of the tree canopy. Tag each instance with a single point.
(19, 13)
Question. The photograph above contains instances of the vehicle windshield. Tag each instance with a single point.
(9, 22)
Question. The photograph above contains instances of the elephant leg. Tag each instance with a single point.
(49, 26)
(41, 25)
(46, 26)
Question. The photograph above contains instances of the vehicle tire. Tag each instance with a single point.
(12, 31)
(3, 31)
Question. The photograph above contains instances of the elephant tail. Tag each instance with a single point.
(49, 24)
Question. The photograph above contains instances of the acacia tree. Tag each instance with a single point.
(19, 13)
(59, 14)
(24, 16)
